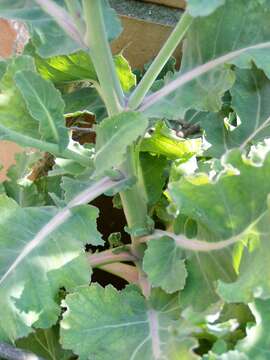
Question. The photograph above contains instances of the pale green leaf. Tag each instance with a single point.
(114, 135)
(124, 72)
(230, 204)
(42, 250)
(45, 105)
(121, 325)
(164, 265)
(203, 7)
(18, 186)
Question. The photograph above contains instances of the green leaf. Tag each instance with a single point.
(45, 343)
(66, 68)
(46, 35)
(256, 344)
(114, 135)
(233, 26)
(45, 105)
(163, 141)
(13, 111)
(121, 325)
(41, 250)
(203, 7)
(169, 271)
(124, 72)
(230, 204)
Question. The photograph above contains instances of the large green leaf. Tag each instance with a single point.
(169, 271)
(203, 7)
(114, 135)
(42, 249)
(233, 26)
(230, 204)
(45, 105)
(107, 324)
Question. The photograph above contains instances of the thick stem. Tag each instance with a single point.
(157, 65)
(133, 201)
(9, 352)
(124, 271)
(102, 57)
(111, 256)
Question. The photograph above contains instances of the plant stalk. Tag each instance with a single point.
(157, 65)
(124, 271)
(111, 256)
(101, 56)
(27, 141)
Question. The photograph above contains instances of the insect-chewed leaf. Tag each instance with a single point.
(164, 265)
(41, 250)
(114, 135)
(107, 325)
(45, 104)
(250, 100)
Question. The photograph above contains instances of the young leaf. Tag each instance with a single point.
(203, 90)
(121, 325)
(44, 104)
(114, 135)
(169, 271)
(35, 263)
(164, 142)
